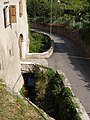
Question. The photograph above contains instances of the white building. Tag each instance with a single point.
(13, 41)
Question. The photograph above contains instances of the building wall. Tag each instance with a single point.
(9, 45)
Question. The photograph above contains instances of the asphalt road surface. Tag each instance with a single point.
(68, 58)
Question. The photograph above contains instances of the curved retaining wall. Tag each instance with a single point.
(65, 31)
(43, 55)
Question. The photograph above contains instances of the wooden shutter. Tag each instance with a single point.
(20, 8)
(13, 13)
(9, 16)
(4, 13)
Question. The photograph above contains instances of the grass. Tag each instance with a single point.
(14, 108)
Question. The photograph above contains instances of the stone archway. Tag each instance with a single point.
(20, 44)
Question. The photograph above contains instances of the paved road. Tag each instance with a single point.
(77, 69)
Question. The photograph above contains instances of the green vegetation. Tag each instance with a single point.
(64, 10)
(71, 12)
(52, 96)
(14, 108)
(39, 42)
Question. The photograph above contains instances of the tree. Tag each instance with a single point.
(32, 8)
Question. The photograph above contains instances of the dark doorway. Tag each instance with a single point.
(29, 84)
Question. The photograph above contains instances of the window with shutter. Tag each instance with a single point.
(4, 13)
(20, 8)
(13, 13)
(6, 16)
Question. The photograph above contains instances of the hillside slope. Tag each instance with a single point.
(14, 108)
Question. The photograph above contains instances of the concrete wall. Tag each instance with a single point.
(9, 48)
(42, 55)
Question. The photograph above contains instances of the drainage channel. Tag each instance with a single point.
(29, 85)
(30, 93)
(39, 90)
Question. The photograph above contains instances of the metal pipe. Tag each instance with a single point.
(51, 19)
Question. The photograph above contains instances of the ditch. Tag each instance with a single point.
(34, 91)
(46, 89)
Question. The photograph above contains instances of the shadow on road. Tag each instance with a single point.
(76, 57)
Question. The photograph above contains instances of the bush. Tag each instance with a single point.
(85, 33)
(53, 97)
(67, 107)
(39, 42)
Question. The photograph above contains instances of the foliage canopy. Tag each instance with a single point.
(41, 9)
(71, 12)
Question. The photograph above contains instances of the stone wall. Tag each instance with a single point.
(67, 32)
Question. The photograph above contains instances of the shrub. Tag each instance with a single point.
(85, 33)
(52, 96)
(39, 42)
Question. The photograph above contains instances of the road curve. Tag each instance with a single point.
(68, 58)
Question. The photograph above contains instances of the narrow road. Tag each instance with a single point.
(77, 68)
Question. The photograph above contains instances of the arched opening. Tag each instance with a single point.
(20, 44)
